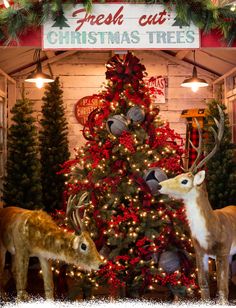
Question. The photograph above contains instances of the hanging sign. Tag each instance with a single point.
(85, 106)
(157, 86)
(119, 26)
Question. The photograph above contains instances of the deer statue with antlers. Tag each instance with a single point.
(26, 233)
(213, 232)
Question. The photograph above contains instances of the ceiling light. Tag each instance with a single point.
(194, 82)
(6, 3)
(38, 76)
(227, 3)
(233, 7)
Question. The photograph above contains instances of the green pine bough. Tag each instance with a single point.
(26, 14)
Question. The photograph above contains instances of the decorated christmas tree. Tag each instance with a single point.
(53, 146)
(128, 151)
(22, 184)
(221, 171)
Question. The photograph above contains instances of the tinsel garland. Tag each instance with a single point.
(23, 15)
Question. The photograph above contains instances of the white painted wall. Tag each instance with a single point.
(83, 74)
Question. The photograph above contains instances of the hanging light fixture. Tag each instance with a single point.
(38, 76)
(6, 4)
(233, 6)
(194, 82)
(227, 3)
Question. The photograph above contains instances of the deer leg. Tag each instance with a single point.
(222, 270)
(21, 272)
(2, 264)
(47, 278)
(13, 266)
(202, 265)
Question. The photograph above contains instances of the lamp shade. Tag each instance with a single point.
(33, 77)
(39, 77)
(194, 82)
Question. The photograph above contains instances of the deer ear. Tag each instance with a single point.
(199, 178)
(75, 244)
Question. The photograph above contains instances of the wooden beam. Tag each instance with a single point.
(2, 94)
(181, 54)
(45, 62)
(11, 102)
(183, 63)
(9, 78)
(49, 53)
(221, 78)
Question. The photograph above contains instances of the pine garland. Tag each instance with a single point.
(26, 14)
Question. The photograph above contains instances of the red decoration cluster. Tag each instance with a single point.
(175, 279)
(124, 71)
(127, 140)
(127, 214)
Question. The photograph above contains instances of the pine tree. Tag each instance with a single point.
(22, 184)
(54, 149)
(221, 169)
(60, 21)
(141, 233)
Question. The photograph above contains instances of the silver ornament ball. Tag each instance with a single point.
(169, 261)
(153, 177)
(136, 114)
(117, 124)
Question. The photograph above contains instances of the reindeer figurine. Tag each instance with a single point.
(213, 232)
(26, 233)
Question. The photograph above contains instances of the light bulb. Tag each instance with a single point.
(194, 87)
(39, 83)
(233, 8)
(6, 4)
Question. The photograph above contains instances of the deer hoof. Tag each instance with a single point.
(22, 296)
(3, 297)
(222, 301)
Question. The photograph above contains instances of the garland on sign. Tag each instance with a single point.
(23, 15)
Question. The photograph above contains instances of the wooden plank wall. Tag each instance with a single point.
(84, 74)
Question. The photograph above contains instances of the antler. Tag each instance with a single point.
(72, 211)
(197, 149)
(217, 136)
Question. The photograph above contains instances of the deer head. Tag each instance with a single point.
(84, 247)
(182, 184)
